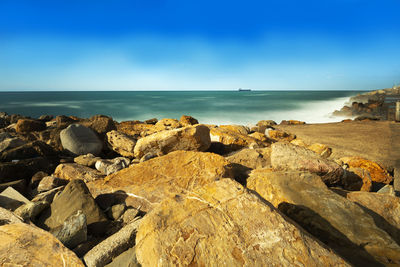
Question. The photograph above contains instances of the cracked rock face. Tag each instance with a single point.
(223, 224)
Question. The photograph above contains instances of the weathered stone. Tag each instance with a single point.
(114, 245)
(223, 224)
(23, 169)
(378, 173)
(251, 158)
(321, 149)
(135, 128)
(19, 185)
(71, 171)
(336, 221)
(188, 120)
(167, 124)
(260, 136)
(45, 118)
(278, 135)
(7, 217)
(24, 245)
(116, 211)
(385, 209)
(149, 182)
(117, 165)
(291, 157)
(29, 211)
(11, 199)
(121, 143)
(236, 128)
(100, 124)
(50, 182)
(73, 231)
(102, 164)
(357, 179)
(129, 215)
(64, 121)
(298, 142)
(292, 122)
(28, 150)
(266, 124)
(51, 137)
(125, 259)
(388, 190)
(151, 121)
(88, 160)
(78, 197)
(80, 140)
(28, 125)
(48, 196)
(190, 138)
(234, 141)
(36, 178)
(10, 143)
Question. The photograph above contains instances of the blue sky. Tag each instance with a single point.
(191, 45)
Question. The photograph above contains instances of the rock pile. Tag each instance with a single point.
(94, 192)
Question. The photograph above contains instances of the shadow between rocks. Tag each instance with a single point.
(329, 235)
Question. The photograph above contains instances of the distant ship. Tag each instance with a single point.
(244, 90)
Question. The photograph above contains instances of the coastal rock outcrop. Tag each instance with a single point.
(187, 120)
(190, 138)
(121, 143)
(149, 182)
(71, 171)
(224, 224)
(25, 245)
(285, 156)
(336, 221)
(28, 125)
(80, 140)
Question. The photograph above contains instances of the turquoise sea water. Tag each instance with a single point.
(216, 107)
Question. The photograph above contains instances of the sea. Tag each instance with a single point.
(208, 107)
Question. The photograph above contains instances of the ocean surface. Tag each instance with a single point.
(211, 107)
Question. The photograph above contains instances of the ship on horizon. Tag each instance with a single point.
(244, 90)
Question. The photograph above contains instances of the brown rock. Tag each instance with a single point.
(28, 125)
(100, 124)
(167, 124)
(50, 182)
(29, 150)
(292, 122)
(188, 120)
(19, 185)
(35, 180)
(51, 137)
(251, 158)
(278, 135)
(260, 136)
(151, 121)
(385, 209)
(88, 160)
(149, 182)
(190, 138)
(336, 221)
(266, 124)
(298, 142)
(290, 157)
(378, 173)
(357, 179)
(240, 129)
(23, 169)
(71, 171)
(8, 217)
(135, 128)
(24, 245)
(321, 149)
(222, 224)
(121, 143)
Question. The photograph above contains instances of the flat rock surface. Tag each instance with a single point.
(223, 224)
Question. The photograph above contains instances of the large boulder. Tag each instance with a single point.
(80, 140)
(74, 197)
(291, 157)
(222, 224)
(71, 171)
(190, 138)
(25, 245)
(336, 221)
(28, 125)
(149, 182)
(251, 158)
(187, 120)
(384, 208)
(121, 143)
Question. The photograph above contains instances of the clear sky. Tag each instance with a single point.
(207, 44)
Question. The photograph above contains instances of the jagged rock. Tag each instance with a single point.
(70, 171)
(167, 124)
(114, 245)
(357, 179)
(74, 197)
(80, 140)
(108, 167)
(188, 120)
(291, 157)
(19, 185)
(51, 137)
(378, 174)
(151, 121)
(135, 128)
(23, 169)
(223, 224)
(100, 124)
(190, 138)
(45, 118)
(278, 135)
(292, 122)
(88, 160)
(7, 217)
(29, 150)
(236, 128)
(28, 125)
(251, 158)
(234, 141)
(385, 209)
(260, 136)
(129, 215)
(25, 245)
(116, 211)
(36, 178)
(388, 190)
(298, 142)
(10, 143)
(336, 221)
(264, 124)
(73, 231)
(121, 143)
(50, 182)
(48, 196)
(29, 211)
(64, 121)
(321, 149)
(11, 199)
(125, 259)
(149, 182)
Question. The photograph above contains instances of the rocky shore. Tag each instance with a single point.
(374, 105)
(95, 192)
